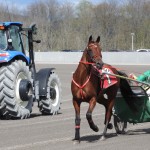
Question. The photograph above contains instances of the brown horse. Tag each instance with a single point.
(88, 85)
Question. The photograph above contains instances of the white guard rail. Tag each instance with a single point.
(114, 58)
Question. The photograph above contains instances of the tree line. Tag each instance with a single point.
(68, 26)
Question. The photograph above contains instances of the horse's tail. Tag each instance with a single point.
(127, 93)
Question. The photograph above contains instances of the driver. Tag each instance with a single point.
(145, 77)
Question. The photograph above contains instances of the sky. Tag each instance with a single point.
(23, 3)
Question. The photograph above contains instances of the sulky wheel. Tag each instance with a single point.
(51, 103)
(120, 126)
(17, 90)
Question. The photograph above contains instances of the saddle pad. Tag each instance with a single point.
(108, 80)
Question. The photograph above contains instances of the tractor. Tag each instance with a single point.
(20, 84)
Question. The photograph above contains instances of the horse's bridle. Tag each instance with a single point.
(93, 57)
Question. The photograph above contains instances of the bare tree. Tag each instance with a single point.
(65, 26)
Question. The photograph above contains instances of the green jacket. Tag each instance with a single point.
(145, 77)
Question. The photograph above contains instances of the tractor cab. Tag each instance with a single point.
(10, 37)
(17, 41)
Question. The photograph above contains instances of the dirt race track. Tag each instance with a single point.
(56, 132)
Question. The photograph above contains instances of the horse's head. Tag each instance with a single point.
(93, 52)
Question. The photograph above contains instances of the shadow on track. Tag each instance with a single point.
(138, 131)
(94, 138)
(33, 115)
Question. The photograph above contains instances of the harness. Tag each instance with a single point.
(82, 86)
(86, 63)
(106, 80)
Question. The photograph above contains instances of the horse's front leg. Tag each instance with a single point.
(76, 105)
(108, 115)
(92, 104)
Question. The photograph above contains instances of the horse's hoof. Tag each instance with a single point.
(103, 138)
(110, 126)
(96, 129)
(76, 141)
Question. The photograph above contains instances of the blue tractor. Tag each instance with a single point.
(20, 84)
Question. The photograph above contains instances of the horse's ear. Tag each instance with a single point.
(98, 39)
(90, 38)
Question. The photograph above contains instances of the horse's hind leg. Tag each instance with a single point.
(108, 115)
(76, 105)
(92, 104)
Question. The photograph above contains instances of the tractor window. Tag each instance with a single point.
(25, 43)
(3, 40)
(14, 35)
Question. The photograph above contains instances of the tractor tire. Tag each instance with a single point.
(2, 103)
(120, 126)
(50, 105)
(14, 74)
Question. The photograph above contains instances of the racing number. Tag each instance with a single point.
(107, 70)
